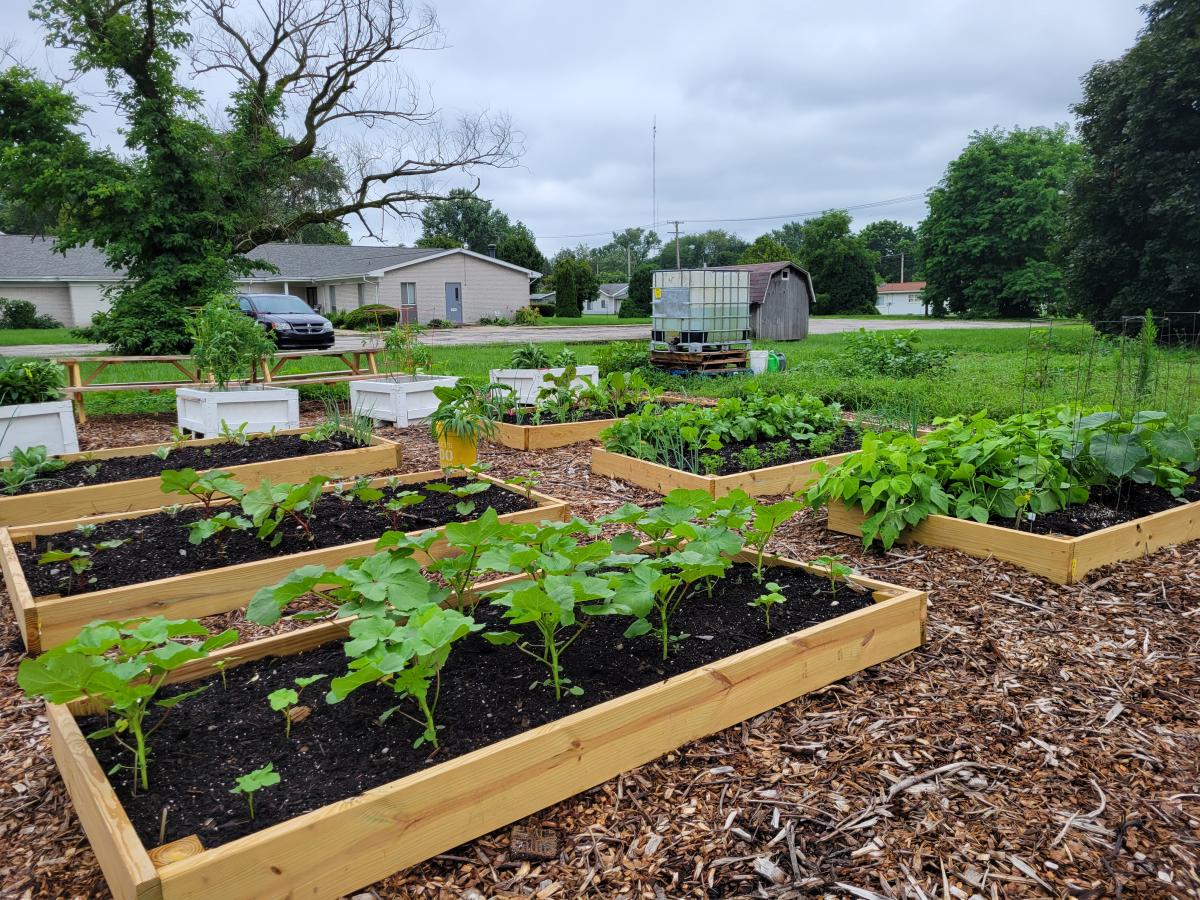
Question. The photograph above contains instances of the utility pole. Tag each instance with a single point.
(677, 266)
(628, 263)
(902, 266)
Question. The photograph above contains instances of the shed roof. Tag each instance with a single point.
(616, 289)
(901, 287)
(762, 273)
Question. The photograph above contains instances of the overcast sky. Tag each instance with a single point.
(763, 108)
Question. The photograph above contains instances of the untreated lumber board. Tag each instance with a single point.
(143, 493)
(1065, 560)
(768, 482)
(335, 849)
(52, 620)
(546, 437)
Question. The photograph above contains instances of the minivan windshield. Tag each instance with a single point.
(279, 304)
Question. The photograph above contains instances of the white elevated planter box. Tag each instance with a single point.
(401, 399)
(50, 425)
(258, 407)
(527, 382)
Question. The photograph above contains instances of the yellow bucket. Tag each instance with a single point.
(455, 451)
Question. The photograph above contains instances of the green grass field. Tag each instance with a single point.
(13, 337)
(1003, 371)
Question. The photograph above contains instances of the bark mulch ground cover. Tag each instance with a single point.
(1044, 742)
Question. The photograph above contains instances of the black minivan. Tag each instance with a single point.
(289, 319)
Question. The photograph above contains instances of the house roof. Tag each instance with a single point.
(901, 287)
(762, 273)
(27, 258)
(615, 290)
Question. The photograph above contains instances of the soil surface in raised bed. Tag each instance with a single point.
(850, 439)
(213, 456)
(487, 693)
(157, 545)
(524, 416)
(1107, 507)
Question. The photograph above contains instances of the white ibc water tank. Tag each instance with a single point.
(692, 308)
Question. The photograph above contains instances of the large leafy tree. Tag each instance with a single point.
(707, 248)
(989, 242)
(896, 246)
(464, 218)
(764, 249)
(519, 248)
(1134, 208)
(182, 207)
(626, 251)
(841, 266)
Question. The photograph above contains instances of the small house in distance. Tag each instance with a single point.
(901, 298)
(781, 295)
(607, 301)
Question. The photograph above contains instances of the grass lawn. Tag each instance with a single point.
(12, 337)
(592, 320)
(1003, 371)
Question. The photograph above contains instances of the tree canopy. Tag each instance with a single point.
(637, 303)
(892, 240)
(764, 249)
(463, 218)
(566, 300)
(990, 240)
(841, 266)
(708, 248)
(1134, 208)
(180, 210)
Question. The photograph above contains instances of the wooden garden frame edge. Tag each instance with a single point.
(141, 493)
(334, 849)
(766, 482)
(550, 435)
(48, 621)
(1064, 560)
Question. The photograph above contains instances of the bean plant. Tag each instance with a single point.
(123, 666)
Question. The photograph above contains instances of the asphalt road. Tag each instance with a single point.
(542, 334)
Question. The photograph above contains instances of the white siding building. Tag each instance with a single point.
(901, 298)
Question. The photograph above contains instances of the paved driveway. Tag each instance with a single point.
(542, 334)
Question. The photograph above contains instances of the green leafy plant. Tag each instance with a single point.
(234, 434)
(30, 381)
(217, 527)
(749, 458)
(162, 452)
(463, 489)
(766, 521)
(529, 356)
(527, 315)
(469, 540)
(285, 700)
(772, 597)
(79, 561)
(525, 483)
(403, 350)
(205, 489)
(835, 568)
(270, 505)
(466, 412)
(226, 343)
(357, 426)
(122, 665)
(893, 353)
(27, 466)
(253, 782)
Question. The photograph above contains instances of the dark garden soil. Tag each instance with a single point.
(215, 456)
(1108, 507)
(487, 693)
(157, 545)
(850, 439)
(524, 416)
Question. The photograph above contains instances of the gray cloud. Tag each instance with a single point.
(763, 106)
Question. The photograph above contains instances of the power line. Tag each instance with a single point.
(795, 215)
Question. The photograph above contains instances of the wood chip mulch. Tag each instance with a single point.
(1044, 742)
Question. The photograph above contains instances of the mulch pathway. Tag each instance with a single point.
(1044, 742)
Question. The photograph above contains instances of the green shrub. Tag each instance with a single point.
(621, 356)
(495, 320)
(891, 353)
(527, 315)
(373, 315)
(23, 314)
(30, 381)
(226, 343)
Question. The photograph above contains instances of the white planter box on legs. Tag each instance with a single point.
(259, 407)
(50, 425)
(401, 399)
(527, 382)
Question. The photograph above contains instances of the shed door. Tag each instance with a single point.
(454, 302)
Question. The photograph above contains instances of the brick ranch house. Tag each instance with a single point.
(455, 285)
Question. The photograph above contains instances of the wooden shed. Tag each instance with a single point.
(781, 294)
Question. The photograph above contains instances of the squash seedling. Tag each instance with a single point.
(122, 665)
(252, 782)
(834, 567)
(286, 700)
(767, 600)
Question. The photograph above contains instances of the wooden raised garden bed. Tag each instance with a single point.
(143, 493)
(546, 437)
(767, 482)
(1065, 560)
(334, 849)
(49, 620)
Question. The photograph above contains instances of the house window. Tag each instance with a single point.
(783, 275)
(602, 303)
(333, 298)
(408, 293)
(362, 293)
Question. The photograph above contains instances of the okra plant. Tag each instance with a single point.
(253, 782)
(286, 700)
(467, 489)
(79, 561)
(773, 596)
(217, 527)
(270, 505)
(122, 665)
(834, 568)
(469, 541)
(205, 488)
(766, 521)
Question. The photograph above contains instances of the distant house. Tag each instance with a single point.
(901, 298)
(544, 302)
(456, 285)
(607, 301)
(781, 295)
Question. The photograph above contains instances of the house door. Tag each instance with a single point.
(454, 302)
(310, 297)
